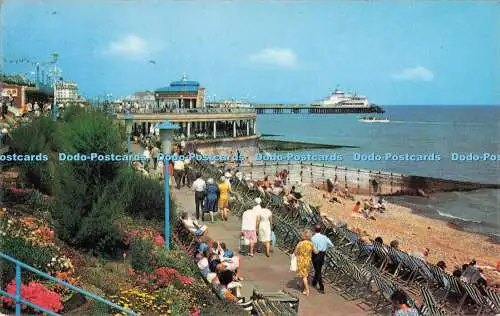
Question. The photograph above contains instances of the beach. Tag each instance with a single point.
(415, 232)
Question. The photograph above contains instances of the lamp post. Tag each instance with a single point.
(54, 106)
(128, 126)
(167, 130)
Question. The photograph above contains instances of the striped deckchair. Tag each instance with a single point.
(493, 300)
(480, 301)
(429, 306)
(385, 288)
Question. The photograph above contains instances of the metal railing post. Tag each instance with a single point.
(18, 290)
(312, 176)
(369, 182)
(391, 182)
(345, 177)
(358, 181)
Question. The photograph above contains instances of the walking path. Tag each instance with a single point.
(269, 274)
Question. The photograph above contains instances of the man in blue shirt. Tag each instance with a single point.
(322, 243)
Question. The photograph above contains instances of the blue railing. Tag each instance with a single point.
(20, 301)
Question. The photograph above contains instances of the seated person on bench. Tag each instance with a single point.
(194, 226)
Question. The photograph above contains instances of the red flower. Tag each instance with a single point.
(195, 311)
(36, 294)
(163, 276)
(159, 240)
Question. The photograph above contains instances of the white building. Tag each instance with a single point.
(67, 92)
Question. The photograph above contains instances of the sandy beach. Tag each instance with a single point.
(415, 232)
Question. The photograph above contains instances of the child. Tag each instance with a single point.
(226, 252)
(273, 238)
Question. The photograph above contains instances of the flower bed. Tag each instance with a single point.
(32, 241)
(36, 294)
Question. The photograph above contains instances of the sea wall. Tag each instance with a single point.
(246, 145)
(360, 181)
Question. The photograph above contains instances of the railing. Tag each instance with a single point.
(19, 300)
(351, 178)
(185, 111)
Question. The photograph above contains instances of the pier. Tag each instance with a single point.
(282, 108)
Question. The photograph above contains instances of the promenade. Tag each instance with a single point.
(270, 274)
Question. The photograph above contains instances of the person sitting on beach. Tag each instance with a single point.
(295, 194)
(400, 304)
(336, 199)
(421, 255)
(284, 176)
(442, 265)
(196, 228)
(457, 272)
(395, 244)
(471, 274)
(277, 189)
(357, 207)
(369, 203)
(382, 203)
(393, 264)
(367, 213)
(265, 184)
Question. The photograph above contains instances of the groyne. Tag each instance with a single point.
(283, 145)
(361, 181)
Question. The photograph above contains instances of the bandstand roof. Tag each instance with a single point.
(182, 85)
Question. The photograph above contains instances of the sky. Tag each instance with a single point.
(393, 52)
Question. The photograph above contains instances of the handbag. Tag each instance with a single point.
(293, 263)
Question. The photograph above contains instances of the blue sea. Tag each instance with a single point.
(442, 130)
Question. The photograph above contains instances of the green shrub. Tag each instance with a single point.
(32, 138)
(144, 196)
(18, 248)
(177, 260)
(141, 254)
(101, 279)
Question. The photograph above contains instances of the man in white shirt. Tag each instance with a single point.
(199, 194)
(178, 172)
(154, 153)
(195, 227)
(147, 156)
(249, 225)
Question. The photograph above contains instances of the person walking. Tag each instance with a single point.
(211, 194)
(199, 187)
(303, 252)
(224, 190)
(249, 226)
(154, 153)
(178, 171)
(265, 224)
(322, 243)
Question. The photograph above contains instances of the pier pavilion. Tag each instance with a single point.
(182, 94)
(199, 123)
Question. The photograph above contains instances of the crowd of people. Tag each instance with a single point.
(468, 272)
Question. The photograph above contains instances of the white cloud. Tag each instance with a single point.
(131, 46)
(283, 57)
(416, 73)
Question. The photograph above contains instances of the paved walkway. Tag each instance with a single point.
(270, 274)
